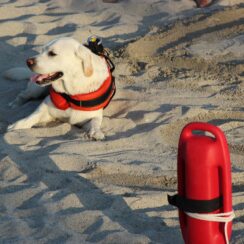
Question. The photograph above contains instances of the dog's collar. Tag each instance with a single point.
(87, 102)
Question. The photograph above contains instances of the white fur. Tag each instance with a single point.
(83, 71)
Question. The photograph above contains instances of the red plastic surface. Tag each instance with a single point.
(204, 173)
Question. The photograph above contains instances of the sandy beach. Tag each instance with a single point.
(175, 64)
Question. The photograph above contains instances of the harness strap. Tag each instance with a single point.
(195, 206)
(107, 96)
(86, 102)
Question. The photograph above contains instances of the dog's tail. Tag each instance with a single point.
(18, 73)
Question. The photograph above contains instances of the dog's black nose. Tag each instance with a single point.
(31, 62)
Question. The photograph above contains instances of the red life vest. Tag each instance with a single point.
(86, 102)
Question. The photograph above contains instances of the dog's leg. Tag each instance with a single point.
(93, 128)
(40, 115)
(32, 91)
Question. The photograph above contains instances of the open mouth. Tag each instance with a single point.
(46, 79)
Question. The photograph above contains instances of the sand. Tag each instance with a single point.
(174, 64)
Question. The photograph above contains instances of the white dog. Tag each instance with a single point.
(71, 69)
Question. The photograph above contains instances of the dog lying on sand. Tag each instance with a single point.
(69, 68)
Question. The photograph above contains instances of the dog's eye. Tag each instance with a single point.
(51, 54)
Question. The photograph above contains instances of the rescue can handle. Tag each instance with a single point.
(225, 166)
(201, 126)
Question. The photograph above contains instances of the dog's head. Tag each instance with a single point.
(61, 59)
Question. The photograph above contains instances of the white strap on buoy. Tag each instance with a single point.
(220, 217)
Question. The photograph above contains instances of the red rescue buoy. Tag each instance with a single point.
(204, 194)
(203, 3)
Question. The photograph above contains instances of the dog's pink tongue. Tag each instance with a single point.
(38, 77)
(34, 78)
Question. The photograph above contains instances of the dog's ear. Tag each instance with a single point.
(86, 60)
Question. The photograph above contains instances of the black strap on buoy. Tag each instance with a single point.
(195, 206)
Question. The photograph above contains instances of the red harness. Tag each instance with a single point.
(88, 101)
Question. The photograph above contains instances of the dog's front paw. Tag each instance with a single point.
(18, 126)
(11, 127)
(96, 135)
